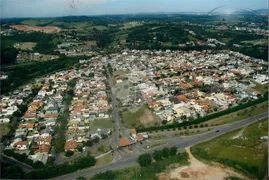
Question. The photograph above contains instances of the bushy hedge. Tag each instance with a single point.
(19, 157)
(206, 118)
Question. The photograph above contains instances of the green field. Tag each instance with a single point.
(260, 87)
(142, 117)
(241, 149)
(104, 160)
(239, 115)
(101, 123)
(256, 42)
(150, 172)
(4, 129)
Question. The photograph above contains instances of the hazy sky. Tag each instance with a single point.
(50, 8)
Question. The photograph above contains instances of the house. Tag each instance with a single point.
(44, 148)
(44, 140)
(21, 132)
(35, 105)
(50, 116)
(182, 98)
(28, 126)
(30, 115)
(124, 142)
(21, 145)
(70, 145)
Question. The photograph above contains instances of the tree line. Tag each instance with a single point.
(208, 117)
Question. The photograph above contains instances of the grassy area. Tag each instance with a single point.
(101, 150)
(158, 137)
(260, 87)
(241, 149)
(256, 42)
(104, 160)
(191, 132)
(97, 27)
(142, 117)
(239, 115)
(128, 173)
(150, 172)
(35, 22)
(155, 145)
(101, 123)
(119, 72)
(4, 129)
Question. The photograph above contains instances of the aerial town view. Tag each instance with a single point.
(114, 89)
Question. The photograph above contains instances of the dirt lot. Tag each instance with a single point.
(25, 46)
(148, 118)
(45, 29)
(199, 171)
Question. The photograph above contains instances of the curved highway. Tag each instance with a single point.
(179, 142)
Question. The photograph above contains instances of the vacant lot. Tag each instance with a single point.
(198, 170)
(25, 46)
(260, 87)
(241, 149)
(4, 129)
(101, 123)
(239, 115)
(45, 29)
(104, 160)
(142, 117)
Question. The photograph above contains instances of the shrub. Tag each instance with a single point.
(105, 175)
(157, 155)
(173, 151)
(69, 153)
(144, 160)
(166, 152)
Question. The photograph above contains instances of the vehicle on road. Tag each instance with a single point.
(217, 131)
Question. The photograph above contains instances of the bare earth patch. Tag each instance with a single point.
(199, 171)
(45, 29)
(148, 118)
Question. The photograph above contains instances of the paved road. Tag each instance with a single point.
(180, 142)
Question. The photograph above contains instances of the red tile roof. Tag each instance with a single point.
(124, 142)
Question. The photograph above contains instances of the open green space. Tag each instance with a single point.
(143, 117)
(4, 129)
(101, 123)
(260, 87)
(257, 41)
(239, 115)
(104, 160)
(158, 137)
(147, 172)
(155, 145)
(241, 149)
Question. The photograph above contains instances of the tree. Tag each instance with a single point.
(69, 153)
(105, 175)
(144, 160)
(81, 178)
(8, 54)
(89, 143)
(80, 149)
(38, 164)
(166, 152)
(173, 151)
(164, 122)
(96, 140)
(157, 155)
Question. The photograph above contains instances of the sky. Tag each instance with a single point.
(53, 8)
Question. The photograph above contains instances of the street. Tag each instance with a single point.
(179, 142)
